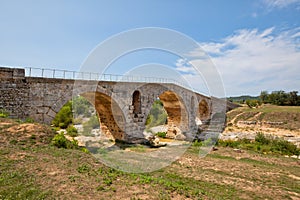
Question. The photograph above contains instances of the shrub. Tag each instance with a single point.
(262, 139)
(161, 134)
(263, 144)
(228, 143)
(197, 143)
(72, 131)
(3, 113)
(253, 103)
(60, 141)
(64, 117)
(90, 125)
(284, 147)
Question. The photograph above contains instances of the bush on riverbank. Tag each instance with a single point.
(263, 144)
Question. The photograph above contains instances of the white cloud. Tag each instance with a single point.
(182, 65)
(280, 3)
(252, 60)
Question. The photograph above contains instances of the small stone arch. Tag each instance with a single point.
(203, 109)
(136, 103)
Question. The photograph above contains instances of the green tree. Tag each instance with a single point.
(264, 96)
(157, 115)
(91, 124)
(293, 98)
(279, 98)
(64, 117)
(81, 106)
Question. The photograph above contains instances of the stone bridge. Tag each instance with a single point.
(122, 107)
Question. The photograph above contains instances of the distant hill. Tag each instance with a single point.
(242, 99)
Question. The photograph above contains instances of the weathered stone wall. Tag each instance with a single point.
(14, 93)
(120, 115)
(47, 96)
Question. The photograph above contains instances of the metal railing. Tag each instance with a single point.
(66, 74)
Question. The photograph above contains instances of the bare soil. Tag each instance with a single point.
(27, 159)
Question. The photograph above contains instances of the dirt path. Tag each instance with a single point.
(233, 119)
(256, 116)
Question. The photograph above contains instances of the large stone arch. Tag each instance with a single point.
(111, 117)
(64, 93)
(177, 112)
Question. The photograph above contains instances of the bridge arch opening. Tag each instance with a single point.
(110, 115)
(172, 114)
(89, 111)
(136, 103)
(157, 116)
(203, 110)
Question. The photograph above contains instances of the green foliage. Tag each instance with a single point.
(281, 98)
(157, 116)
(253, 103)
(81, 106)
(29, 120)
(17, 184)
(84, 150)
(197, 143)
(60, 141)
(264, 96)
(91, 124)
(284, 147)
(262, 139)
(241, 99)
(3, 113)
(228, 143)
(161, 134)
(72, 131)
(64, 117)
(84, 168)
(263, 144)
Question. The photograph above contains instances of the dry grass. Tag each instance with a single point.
(35, 170)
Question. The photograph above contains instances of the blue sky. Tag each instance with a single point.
(255, 44)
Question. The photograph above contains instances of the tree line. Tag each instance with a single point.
(280, 98)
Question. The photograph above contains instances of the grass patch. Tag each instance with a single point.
(263, 144)
(17, 184)
(61, 141)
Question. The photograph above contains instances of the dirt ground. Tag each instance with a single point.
(30, 168)
(276, 121)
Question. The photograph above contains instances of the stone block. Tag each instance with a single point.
(51, 113)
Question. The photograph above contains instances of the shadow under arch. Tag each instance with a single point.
(203, 110)
(136, 103)
(111, 118)
(176, 110)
